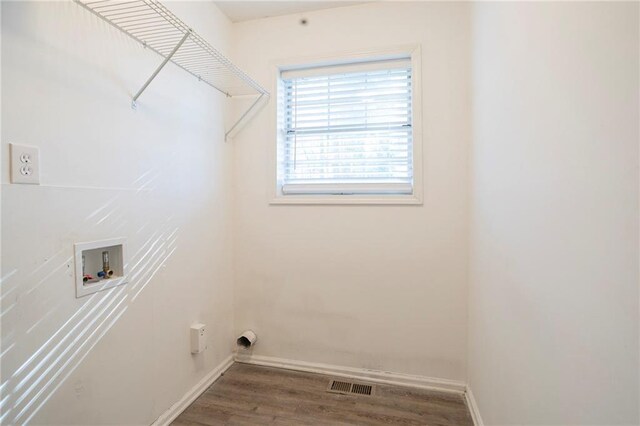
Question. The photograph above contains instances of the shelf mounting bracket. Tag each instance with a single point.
(247, 114)
(134, 104)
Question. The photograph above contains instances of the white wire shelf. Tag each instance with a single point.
(158, 29)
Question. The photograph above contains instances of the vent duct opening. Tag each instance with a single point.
(247, 339)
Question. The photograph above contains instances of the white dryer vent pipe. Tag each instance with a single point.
(247, 339)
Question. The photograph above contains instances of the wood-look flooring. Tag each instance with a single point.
(254, 395)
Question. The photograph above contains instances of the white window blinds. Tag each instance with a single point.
(348, 129)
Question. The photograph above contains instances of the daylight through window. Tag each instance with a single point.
(347, 129)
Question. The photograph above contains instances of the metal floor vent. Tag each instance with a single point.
(345, 388)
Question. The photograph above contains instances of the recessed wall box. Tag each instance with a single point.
(100, 265)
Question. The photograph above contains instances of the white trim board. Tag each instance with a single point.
(364, 374)
(192, 394)
(472, 405)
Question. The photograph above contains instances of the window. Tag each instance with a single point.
(347, 130)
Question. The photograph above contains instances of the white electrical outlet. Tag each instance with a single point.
(25, 164)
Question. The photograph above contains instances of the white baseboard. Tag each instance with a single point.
(174, 411)
(363, 374)
(472, 405)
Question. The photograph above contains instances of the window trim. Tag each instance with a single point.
(412, 51)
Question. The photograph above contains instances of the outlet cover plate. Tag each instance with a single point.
(25, 164)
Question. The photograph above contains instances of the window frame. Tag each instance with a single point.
(415, 198)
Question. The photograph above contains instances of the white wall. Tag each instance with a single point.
(378, 287)
(160, 176)
(554, 254)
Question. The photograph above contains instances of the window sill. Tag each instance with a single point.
(345, 200)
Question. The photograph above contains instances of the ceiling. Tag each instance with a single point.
(240, 10)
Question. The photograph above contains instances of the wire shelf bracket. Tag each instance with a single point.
(134, 104)
(156, 28)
